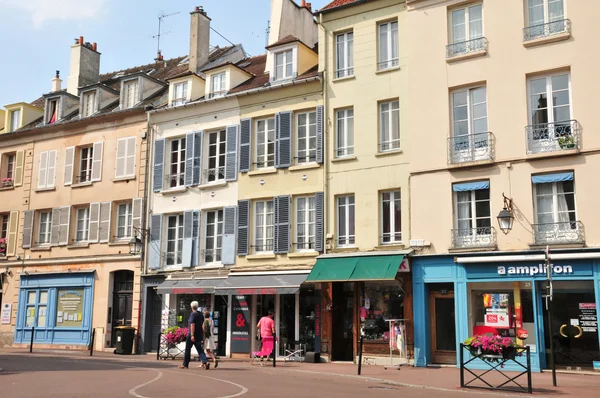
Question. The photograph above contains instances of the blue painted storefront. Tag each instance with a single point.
(443, 269)
(43, 292)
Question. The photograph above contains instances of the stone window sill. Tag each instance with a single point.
(471, 249)
(128, 178)
(344, 159)
(469, 55)
(45, 189)
(307, 166)
(303, 254)
(82, 245)
(345, 249)
(7, 188)
(390, 246)
(120, 243)
(387, 70)
(174, 190)
(547, 39)
(41, 248)
(343, 78)
(261, 256)
(211, 185)
(82, 184)
(257, 172)
(388, 153)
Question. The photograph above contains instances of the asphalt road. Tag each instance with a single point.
(48, 375)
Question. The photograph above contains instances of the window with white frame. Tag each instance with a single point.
(82, 225)
(52, 111)
(216, 156)
(472, 214)
(15, 120)
(344, 54)
(345, 221)
(180, 95)
(542, 12)
(265, 143)
(130, 94)
(174, 247)
(306, 148)
(389, 126)
(213, 236)
(388, 45)
(391, 218)
(176, 176)
(344, 143)
(89, 103)
(284, 65)
(264, 226)
(86, 155)
(555, 205)
(549, 99)
(469, 123)
(467, 23)
(305, 223)
(217, 85)
(124, 220)
(44, 227)
(8, 169)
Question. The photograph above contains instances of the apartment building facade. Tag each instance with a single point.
(499, 95)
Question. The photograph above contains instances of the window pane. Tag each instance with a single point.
(31, 296)
(458, 26)
(475, 22)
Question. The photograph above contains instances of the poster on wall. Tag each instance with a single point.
(496, 310)
(240, 324)
(6, 313)
(588, 319)
(69, 311)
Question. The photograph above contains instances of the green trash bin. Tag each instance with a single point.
(125, 336)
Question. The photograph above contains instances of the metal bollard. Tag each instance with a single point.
(92, 342)
(360, 349)
(158, 347)
(31, 344)
(274, 350)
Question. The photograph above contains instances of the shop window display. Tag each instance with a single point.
(184, 302)
(309, 301)
(381, 302)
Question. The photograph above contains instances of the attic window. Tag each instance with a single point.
(52, 115)
(151, 71)
(284, 65)
(217, 85)
(15, 120)
(119, 74)
(130, 94)
(180, 96)
(89, 103)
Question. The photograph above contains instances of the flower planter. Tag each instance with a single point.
(509, 353)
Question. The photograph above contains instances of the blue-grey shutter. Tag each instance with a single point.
(245, 145)
(243, 226)
(159, 161)
(320, 222)
(282, 224)
(155, 246)
(197, 172)
(231, 156)
(188, 240)
(189, 159)
(320, 129)
(283, 139)
(228, 244)
(196, 238)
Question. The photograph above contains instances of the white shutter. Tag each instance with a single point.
(130, 157)
(69, 165)
(28, 217)
(55, 227)
(94, 222)
(105, 218)
(63, 225)
(120, 162)
(136, 218)
(13, 228)
(97, 161)
(51, 170)
(43, 170)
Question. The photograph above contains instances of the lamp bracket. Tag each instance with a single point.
(507, 203)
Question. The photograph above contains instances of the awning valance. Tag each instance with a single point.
(357, 268)
(548, 178)
(262, 284)
(471, 186)
(189, 286)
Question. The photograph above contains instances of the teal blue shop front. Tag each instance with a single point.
(58, 307)
(454, 300)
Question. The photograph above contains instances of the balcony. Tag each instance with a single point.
(559, 233)
(215, 174)
(547, 32)
(210, 256)
(552, 137)
(174, 180)
(173, 258)
(466, 49)
(471, 148)
(473, 238)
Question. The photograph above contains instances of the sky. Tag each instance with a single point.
(37, 35)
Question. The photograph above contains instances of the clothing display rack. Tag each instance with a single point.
(397, 342)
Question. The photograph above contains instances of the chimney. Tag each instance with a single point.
(56, 82)
(289, 19)
(84, 67)
(199, 39)
(309, 6)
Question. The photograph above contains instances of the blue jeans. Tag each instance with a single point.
(188, 350)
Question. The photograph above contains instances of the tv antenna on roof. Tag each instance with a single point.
(159, 34)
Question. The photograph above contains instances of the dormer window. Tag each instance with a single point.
(53, 108)
(130, 90)
(180, 94)
(217, 85)
(15, 120)
(89, 103)
(284, 65)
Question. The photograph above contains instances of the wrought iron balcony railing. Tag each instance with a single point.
(211, 255)
(390, 145)
(546, 29)
(552, 137)
(473, 237)
(173, 258)
(465, 47)
(559, 233)
(470, 148)
(175, 180)
(214, 174)
(390, 238)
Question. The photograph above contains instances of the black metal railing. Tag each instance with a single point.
(546, 29)
(388, 64)
(267, 247)
(308, 245)
(265, 164)
(466, 47)
(470, 148)
(390, 238)
(473, 237)
(346, 151)
(390, 145)
(559, 233)
(305, 159)
(346, 72)
(552, 137)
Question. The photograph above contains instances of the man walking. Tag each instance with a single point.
(195, 337)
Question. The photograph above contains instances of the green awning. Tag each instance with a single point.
(356, 268)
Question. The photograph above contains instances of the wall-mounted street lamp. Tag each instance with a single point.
(136, 245)
(506, 217)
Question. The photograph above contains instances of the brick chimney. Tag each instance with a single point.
(199, 39)
(84, 67)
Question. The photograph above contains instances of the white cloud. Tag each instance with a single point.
(42, 11)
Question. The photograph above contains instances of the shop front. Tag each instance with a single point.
(365, 294)
(497, 295)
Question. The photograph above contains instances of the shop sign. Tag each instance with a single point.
(240, 324)
(588, 319)
(533, 270)
(6, 313)
(191, 290)
(404, 265)
(69, 311)
(496, 310)
(257, 291)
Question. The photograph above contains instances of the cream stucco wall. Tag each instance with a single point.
(368, 172)
(504, 70)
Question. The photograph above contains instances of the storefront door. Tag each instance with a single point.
(575, 324)
(342, 333)
(443, 327)
(122, 308)
(220, 323)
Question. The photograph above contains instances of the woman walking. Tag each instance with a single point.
(209, 341)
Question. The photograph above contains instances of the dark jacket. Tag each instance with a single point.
(197, 318)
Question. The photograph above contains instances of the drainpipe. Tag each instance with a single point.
(325, 129)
